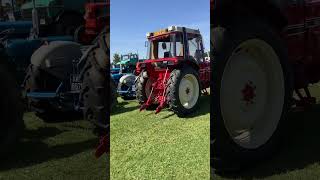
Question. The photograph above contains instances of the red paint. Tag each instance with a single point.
(102, 147)
(248, 93)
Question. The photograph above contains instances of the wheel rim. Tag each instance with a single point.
(189, 91)
(252, 93)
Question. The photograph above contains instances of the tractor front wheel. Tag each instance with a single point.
(143, 87)
(183, 91)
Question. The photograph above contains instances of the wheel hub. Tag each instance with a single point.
(249, 93)
(188, 91)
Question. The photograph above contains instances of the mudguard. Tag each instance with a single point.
(56, 58)
(127, 79)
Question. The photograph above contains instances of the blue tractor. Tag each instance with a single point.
(52, 84)
(18, 41)
(125, 77)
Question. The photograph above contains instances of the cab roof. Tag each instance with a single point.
(172, 29)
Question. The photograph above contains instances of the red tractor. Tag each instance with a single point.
(175, 72)
(95, 20)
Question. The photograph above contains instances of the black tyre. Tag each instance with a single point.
(252, 88)
(78, 34)
(143, 87)
(11, 110)
(97, 96)
(183, 91)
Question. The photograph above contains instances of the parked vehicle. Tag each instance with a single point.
(175, 72)
(125, 78)
(58, 17)
(95, 18)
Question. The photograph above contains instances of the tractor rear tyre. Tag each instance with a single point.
(98, 100)
(251, 94)
(183, 91)
(11, 111)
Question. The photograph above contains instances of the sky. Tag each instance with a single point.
(130, 20)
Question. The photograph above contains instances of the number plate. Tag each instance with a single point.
(133, 88)
(76, 86)
(75, 82)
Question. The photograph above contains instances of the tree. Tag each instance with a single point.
(116, 58)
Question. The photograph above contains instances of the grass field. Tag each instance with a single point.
(299, 157)
(61, 150)
(162, 146)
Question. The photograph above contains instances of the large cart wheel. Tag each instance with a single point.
(183, 90)
(252, 87)
(11, 111)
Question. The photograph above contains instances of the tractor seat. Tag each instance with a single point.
(198, 55)
(167, 54)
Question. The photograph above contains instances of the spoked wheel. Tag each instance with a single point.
(252, 89)
(183, 91)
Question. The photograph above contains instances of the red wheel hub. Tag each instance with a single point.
(248, 93)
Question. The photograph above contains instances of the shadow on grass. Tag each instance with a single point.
(121, 109)
(55, 117)
(203, 109)
(32, 150)
(301, 147)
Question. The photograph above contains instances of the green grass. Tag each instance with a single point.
(162, 146)
(62, 150)
(299, 157)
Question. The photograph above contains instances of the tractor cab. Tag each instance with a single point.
(174, 44)
(128, 63)
(175, 60)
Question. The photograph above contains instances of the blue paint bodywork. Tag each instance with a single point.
(21, 28)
